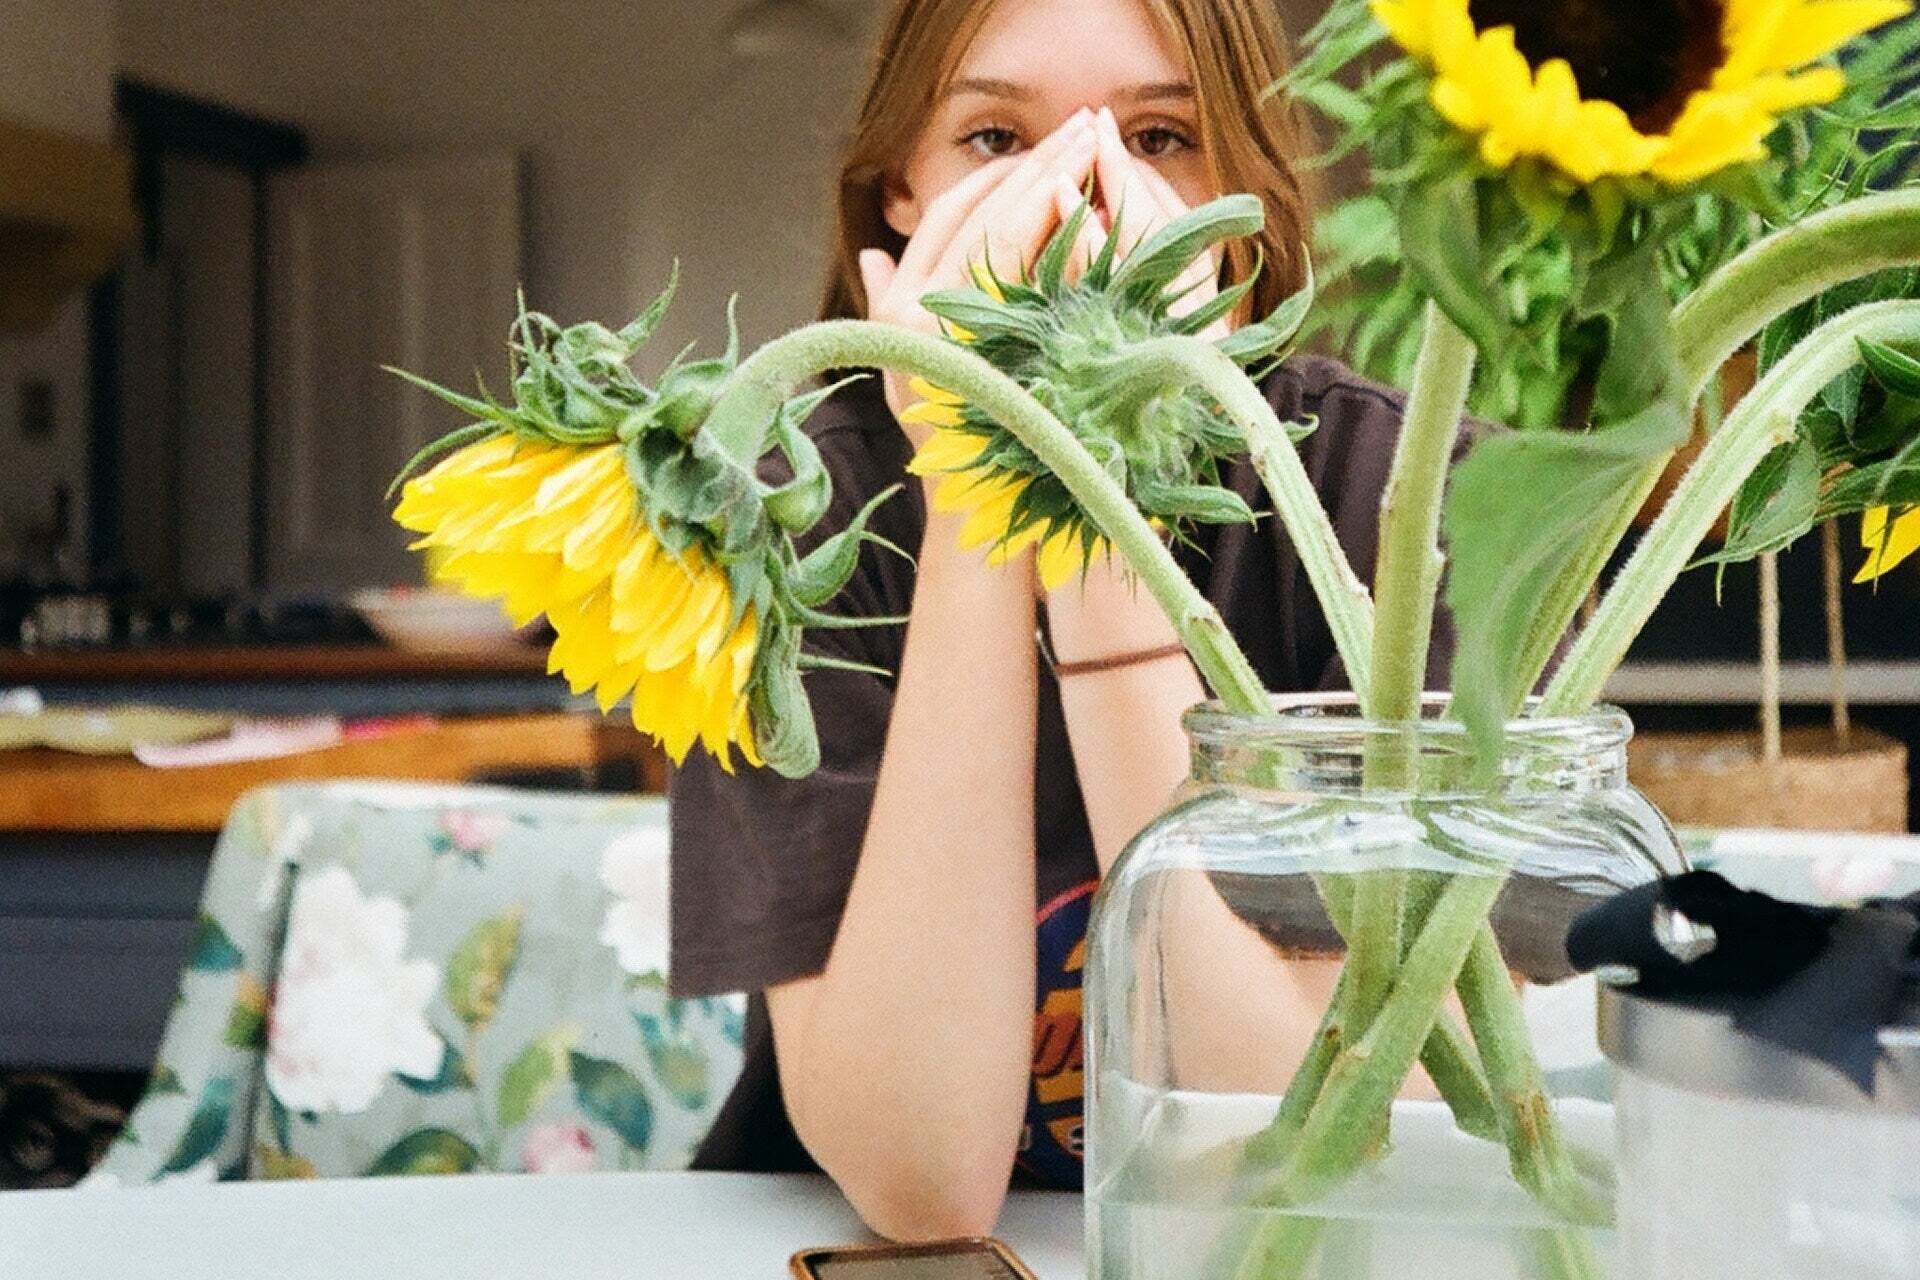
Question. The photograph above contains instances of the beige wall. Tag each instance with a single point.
(56, 64)
(644, 138)
(56, 72)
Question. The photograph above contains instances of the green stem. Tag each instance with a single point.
(1787, 268)
(1539, 1159)
(1182, 362)
(1764, 419)
(1447, 1056)
(1406, 584)
(1366, 1076)
(1406, 579)
(764, 381)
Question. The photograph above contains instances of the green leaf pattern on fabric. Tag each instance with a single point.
(610, 1094)
(680, 1064)
(426, 1151)
(452, 1074)
(205, 1129)
(533, 1074)
(480, 967)
(211, 950)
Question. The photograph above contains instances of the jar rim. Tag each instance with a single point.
(1332, 721)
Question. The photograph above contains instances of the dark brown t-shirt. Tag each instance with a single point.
(762, 865)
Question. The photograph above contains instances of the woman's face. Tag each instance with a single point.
(1033, 64)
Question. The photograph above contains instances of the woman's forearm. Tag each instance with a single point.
(905, 1064)
(1239, 1033)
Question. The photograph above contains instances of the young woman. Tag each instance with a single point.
(915, 911)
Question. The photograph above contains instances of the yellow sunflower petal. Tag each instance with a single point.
(1816, 30)
(1010, 547)
(983, 276)
(1887, 546)
(947, 451)
(1484, 86)
(990, 518)
(1060, 557)
(928, 413)
(928, 391)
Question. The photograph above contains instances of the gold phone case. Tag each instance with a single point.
(805, 1264)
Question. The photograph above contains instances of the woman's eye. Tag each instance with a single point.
(991, 142)
(1156, 141)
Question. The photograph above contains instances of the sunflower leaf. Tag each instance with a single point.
(1440, 233)
(1519, 511)
(820, 576)
(978, 313)
(1778, 504)
(1898, 372)
(1050, 270)
(1160, 259)
(1894, 482)
(642, 327)
(1272, 335)
(822, 662)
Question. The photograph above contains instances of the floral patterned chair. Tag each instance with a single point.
(396, 979)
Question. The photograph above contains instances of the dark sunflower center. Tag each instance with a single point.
(1645, 56)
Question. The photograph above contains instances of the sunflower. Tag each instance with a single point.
(1674, 90)
(557, 530)
(1066, 341)
(1890, 538)
(990, 498)
(666, 566)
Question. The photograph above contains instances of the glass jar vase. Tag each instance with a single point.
(1331, 1025)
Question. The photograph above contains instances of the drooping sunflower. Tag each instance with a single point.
(556, 530)
(666, 568)
(1674, 90)
(1065, 341)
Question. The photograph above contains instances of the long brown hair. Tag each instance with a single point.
(1235, 50)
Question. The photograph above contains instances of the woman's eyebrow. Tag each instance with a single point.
(989, 86)
(1157, 91)
(994, 87)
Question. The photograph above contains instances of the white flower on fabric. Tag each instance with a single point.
(558, 1148)
(349, 1009)
(633, 867)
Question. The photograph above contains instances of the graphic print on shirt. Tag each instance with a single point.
(1053, 1142)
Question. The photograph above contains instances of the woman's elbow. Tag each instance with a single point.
(913, 1198)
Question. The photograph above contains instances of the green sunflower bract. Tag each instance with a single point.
(1067, 341)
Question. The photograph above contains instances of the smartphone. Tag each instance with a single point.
(980, 1258)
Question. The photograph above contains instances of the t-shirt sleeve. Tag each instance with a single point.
(760, 864)
(1349, 457)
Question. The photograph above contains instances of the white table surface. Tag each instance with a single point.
(589, 1226)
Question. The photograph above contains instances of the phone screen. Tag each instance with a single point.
(961, 1260)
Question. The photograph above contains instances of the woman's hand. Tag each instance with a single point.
(1002, 214)
(1134, 195)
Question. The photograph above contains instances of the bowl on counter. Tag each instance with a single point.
(428, 620)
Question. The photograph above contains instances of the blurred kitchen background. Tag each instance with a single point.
(218, 219)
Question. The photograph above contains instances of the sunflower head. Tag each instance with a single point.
(1067, 340)
(666, 565)
(1671, 90)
